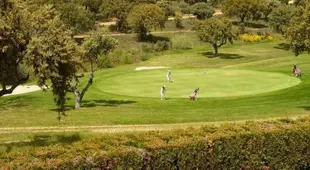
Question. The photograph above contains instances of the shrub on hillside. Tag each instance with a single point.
(116, 56)
(181, 41)
(112, 28)
(145, 57)
(148, 48)
(282, 144)
(162, 46)
(159, 46)
(178, 20)
(131, 56)
(185, 8)
(127, 58)
(121, 56)
(105, 61)
(269, 37)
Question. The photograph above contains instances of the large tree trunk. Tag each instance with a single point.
(79, 96)
(215, 50)
(143, 33)
(242, 19)
(77, 99)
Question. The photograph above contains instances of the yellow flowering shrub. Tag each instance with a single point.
(254, 38)
(269, 37)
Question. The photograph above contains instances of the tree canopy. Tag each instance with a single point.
(191, 2)
(166, 7)
(15, 34)
(300, 2)
(38, 39)
(268, 6)
(243, 9)
(280, 17)
(73, 14)
(298, 30)
(53, 55)
(202, 10)
(284, 1)
(217, 32)
(120, 9)
(77, 18)
(92, 5)
(185, 8)
(144, 17)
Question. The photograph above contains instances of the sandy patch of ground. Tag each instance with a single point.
(106, 23)
(185, 16)
(218, 12)
(24, 89)
(150, 68)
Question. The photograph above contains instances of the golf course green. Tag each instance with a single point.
(212, 82)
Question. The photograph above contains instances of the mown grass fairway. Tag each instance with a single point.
(212, 82)
(255, 78)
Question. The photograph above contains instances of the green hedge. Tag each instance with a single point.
(282, 144)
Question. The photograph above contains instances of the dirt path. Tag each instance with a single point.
(186, 16)
(120, 34)
(120, 128)
(102, 129)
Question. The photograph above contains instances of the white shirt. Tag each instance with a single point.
(162, 90)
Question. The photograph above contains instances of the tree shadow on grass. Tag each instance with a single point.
(41, 140)
(16, 102)
(67, 108)
(307, 108)
(283, 46)
(96, 103)
(105, 103)
(222, 55)
(155, 38)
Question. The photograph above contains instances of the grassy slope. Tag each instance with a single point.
(36, 109)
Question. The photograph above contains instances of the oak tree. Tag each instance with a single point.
(166, 7)
(202, 10)
(142, 18)
(217, 32)
(53, 55)
(267, 6)
(93, 47)
(15, 34)
(298, 30)
(243, 9)
(280, 17)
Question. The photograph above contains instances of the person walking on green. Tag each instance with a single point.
(168, 75)
(163, 92)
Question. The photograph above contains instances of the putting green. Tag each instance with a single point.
(212, 83)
